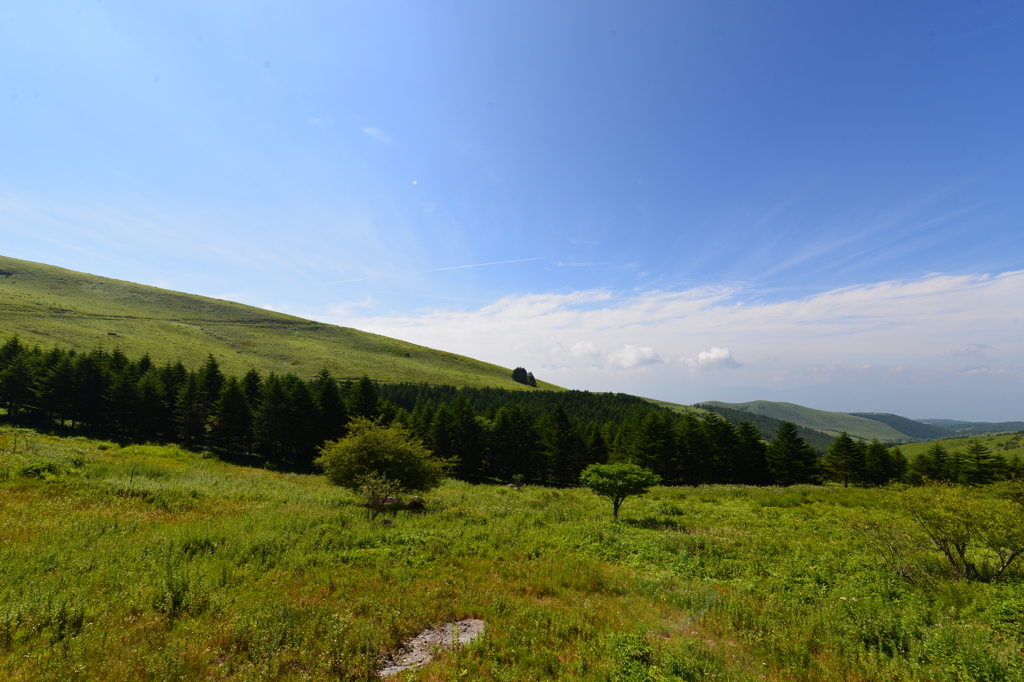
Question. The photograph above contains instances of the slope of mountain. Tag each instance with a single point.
(827, 422)
(1007, 445)
(911, 428)
(52, 306)
(768, 426)
(962, 428)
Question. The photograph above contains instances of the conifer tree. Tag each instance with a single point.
(330, 405)
(720, 436)
(189, 417)
(363, 398)
(899, 464)
(752, 460)
(563, 447)
(152, 411)
(980, 465)
(844, 460)
(271, 419)
(231, 418)
(90, 390)
(693, 465)
(790, 459)
(16, 386)
(55, 390)
(878, 464)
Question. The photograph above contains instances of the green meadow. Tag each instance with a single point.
(149, 562)
(49, 306)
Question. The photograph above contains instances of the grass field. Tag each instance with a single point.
(831, 423)
(1008, 445)
(53, 306)
(155, 563)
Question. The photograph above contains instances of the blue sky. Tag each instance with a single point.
(812, 202)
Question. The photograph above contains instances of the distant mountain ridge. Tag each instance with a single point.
(956, 427)
(830, 423)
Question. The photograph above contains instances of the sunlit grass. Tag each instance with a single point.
(155, 563)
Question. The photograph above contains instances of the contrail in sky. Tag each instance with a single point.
(480, 265)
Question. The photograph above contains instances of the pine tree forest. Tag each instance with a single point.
(545, 437)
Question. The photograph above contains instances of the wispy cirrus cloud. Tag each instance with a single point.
(377, 134)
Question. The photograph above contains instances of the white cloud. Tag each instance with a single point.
(376, 134)
(886, 339)
(585, 350)
(630, 357)
(711, 359)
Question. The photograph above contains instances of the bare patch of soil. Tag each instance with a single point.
(420, 650)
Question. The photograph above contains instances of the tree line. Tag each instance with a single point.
(545, 437)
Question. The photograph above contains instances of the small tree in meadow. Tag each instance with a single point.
(618, 481)
(375, 461)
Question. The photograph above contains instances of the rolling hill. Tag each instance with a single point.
(52, 306)
(831, 423)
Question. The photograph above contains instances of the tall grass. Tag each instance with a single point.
(153, 563)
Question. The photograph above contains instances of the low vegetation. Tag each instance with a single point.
(149, 562)
(47, 305)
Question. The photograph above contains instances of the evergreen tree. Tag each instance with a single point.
(90, 386)
(172, 376)
(844, 460)
(879, 467)
(152, 411)
(303, 423)
(530, 380)
(231, 418)
(652, 444)
(271, 419)
(563, 447)
(17, 384)
(512, 445)
(11, 349)
(900, 466)
(55, 390)
(330, 405)
(122, 400)
(189, 417)
(363, 398)
(790, 459)
(752, 456)
(694, 461)
(519, 375)
(720, 437)
(981, 465)
(467, 439)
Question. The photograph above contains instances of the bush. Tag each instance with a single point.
(374, 461)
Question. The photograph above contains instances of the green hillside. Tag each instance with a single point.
(53, 306)
(828, 422)
(955, 427)
(1008, 445)
(910, 427)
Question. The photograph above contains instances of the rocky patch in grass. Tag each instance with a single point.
(420, 650)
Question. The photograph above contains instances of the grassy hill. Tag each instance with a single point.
(827, 422)
(1008, 445)
(955, 427)
(53, 306)
(914, 429)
